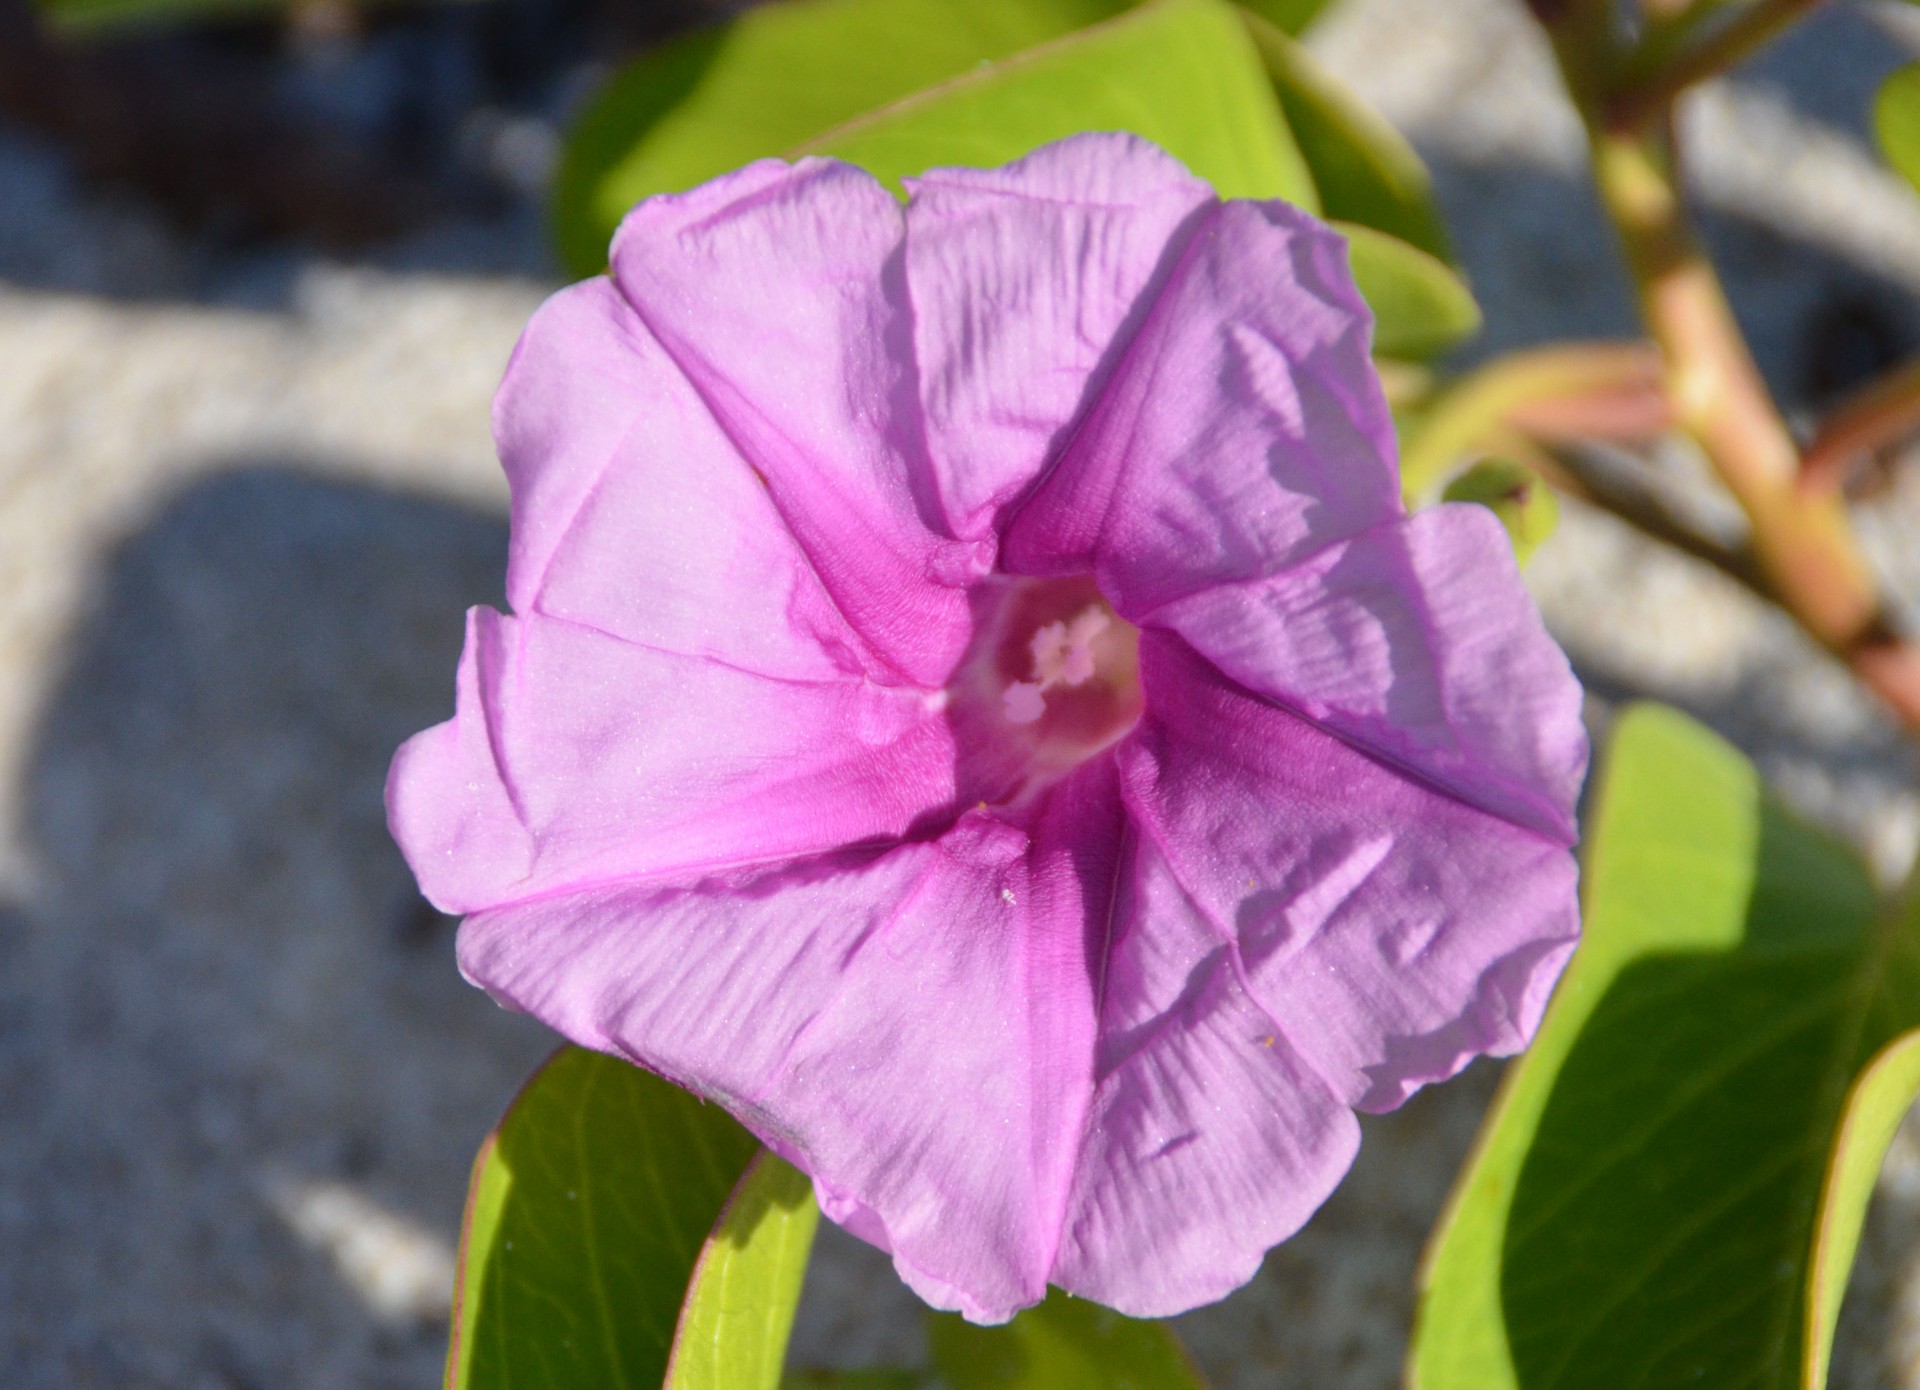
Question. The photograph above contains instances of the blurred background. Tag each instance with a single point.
(258, 278)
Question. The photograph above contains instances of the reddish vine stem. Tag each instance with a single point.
(1568, 391)
(1803, 542)
(1881, 415)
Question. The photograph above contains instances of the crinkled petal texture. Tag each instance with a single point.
(702, 800)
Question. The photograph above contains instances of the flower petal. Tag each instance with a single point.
(1418, 642)
(1023, 281)
(448, 808)
(574, 757)
(914, 1027)
(573, 388)
(1394, 931)
(633, 511)
(700, 796)
(1210, 1139)
(779, 292)
(1243, 428)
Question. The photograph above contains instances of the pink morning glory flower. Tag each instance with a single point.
(976, 707)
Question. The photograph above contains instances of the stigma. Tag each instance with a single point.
(1063, 654)
(1050, 679)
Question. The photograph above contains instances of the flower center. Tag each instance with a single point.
(1051, 678)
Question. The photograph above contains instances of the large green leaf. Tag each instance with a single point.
(1288, 16)
(1364, 169)
(911, 83)
(1183, 73)
(772, 79)
(1063, 1344)
(590, 1204)
(1667, 1190)
(1896, 120)
(1420, 307)
(740, 1302)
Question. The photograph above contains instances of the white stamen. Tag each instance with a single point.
(1049, 648)
(1078, 666)
(1023, 702)
(1062, 655)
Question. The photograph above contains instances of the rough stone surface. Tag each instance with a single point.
(243, 501)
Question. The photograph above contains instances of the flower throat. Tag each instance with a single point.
(1051, 678)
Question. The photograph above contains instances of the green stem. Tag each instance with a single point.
(1646, 89)
(1571, 390)
(1802, 539)
(1627, 494)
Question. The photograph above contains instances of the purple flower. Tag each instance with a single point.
(976, 707)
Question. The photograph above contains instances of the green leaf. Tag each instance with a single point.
(113, 19)
(1365, 170)
(740, 1302)
(1668, 1187)
(1514, 493)
(769, 81)
(91, 17)
(1063, 1344)
(1183, 73)
(1896, 120)
(590, 1204)
(858, 1378)
(1876, 1105)
(1420, 307)
(1288, 16)
(900, 85)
